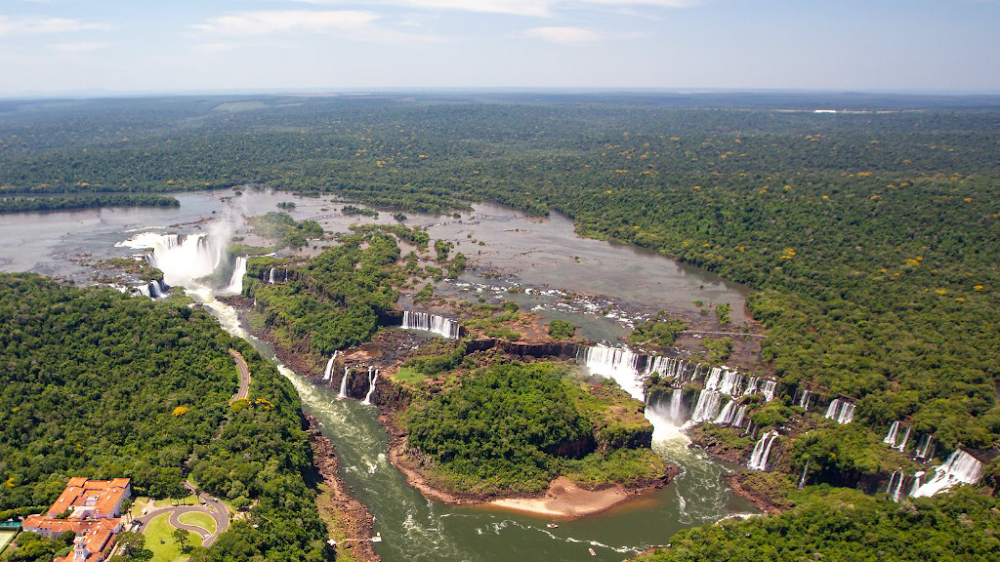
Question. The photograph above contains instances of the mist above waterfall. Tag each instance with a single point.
(191, 260)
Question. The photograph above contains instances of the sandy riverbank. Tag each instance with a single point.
(563, 499)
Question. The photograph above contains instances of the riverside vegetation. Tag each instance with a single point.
(869, 236)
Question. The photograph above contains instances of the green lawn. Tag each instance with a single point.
(160, 539)
(5, 538)
(198, 519)
(138, 504)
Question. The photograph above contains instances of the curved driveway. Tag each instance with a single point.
(244, 370)
(215, 509)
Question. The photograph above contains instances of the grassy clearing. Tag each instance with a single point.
(138, 504)
(198, 519)
(409, 375)
(160, 539)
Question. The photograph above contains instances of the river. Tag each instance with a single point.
(538, 253)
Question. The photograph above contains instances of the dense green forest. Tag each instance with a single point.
(78, 201)
(333, 301)
(849, 526)
(98, 384)
(515, 427)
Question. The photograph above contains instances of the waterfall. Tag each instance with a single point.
(236, 281)
(677, 406)
(618, 363)
(924, 446)
(840, 411)
(714, 378)
(961, 467)
(730, 385)
(741, 413)
(897, 478)
(329, 367)
(762, 450)
(751, 386)
(445, 327)
(804, 400)
(906, 437)
(890, 439)
(802, 480)
(916, 483)
(707, 408)
(727, 414)
(768, 389)
(372, 377)
(270, 277)
(183, 261)
(343, 384)
(144, 290)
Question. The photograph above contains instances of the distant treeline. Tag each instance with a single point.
(63, 203)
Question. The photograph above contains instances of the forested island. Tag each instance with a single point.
(868, 237)
(77, 201)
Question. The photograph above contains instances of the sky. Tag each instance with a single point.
(50, 47)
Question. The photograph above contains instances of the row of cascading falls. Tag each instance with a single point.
(961, 467)
(892, 439)
(629, 368)
(671, 368)
(433, 323)
(762, 450)
(840, 411)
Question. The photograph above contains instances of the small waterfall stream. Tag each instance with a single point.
(372, 378)
(762, 450)
(840, 411)
(327, 373)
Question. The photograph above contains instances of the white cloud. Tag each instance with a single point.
(530, 8)
(564, 35)
(80, 47)
(536, 8)
(654, 3)
(34, 25)
(284, 21)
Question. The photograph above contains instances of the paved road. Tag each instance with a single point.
(241, 364)
(215, 509)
